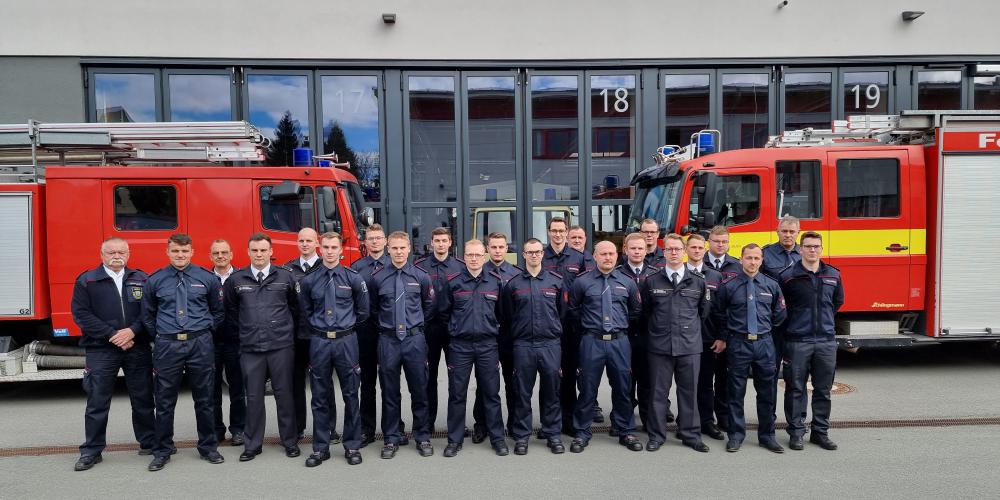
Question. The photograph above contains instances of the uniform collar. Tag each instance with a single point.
(687, 265)
(112, 274)
(254, 271)
(225, 274)
(682, 271)
(312, 262)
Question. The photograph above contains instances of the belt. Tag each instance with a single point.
(417, 330)
(602, 335)
(183, 335)
(332, 334)
(751, 336)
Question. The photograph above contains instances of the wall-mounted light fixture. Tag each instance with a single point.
(390, 17)
(910, 15)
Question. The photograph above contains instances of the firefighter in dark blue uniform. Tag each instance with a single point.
(496, 246)
(532, 306)
(676, 303)
(403, 301)
(308, 261)
(814, 293)
(778, 257)
(650, 230)
(636, 268)
(714, 384)
(334, 299)
(753, 307)
(107, 306)
(603, 303)
(713, 345)
(577, 240)
(182, 304)
(471, 306)
(368, 331)
(260, 301)
(227, 357)
(561, 259)
(440, 267)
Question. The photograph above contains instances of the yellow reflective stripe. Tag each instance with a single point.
(845, 243)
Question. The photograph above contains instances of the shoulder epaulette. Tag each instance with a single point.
(553, 273)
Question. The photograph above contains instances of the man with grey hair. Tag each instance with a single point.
(107, 306)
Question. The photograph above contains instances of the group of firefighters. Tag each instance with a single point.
(687, 314)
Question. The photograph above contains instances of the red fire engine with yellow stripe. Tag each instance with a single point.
(907, 206)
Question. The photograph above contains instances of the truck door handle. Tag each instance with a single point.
(896, 247)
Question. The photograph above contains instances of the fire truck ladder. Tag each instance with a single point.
(25, 148)
(862, 130)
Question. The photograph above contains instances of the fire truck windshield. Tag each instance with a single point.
(656, 200)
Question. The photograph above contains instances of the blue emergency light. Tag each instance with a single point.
(706, 143)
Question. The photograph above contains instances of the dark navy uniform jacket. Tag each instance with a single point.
(341, 287)
(440, 271)
(229, 332)
(585, 295)
(567, 263)
(506, 270)
(656, 258)
(731, 266)
(588, 261)
(100, 311)
(813, 299)
(204, 309)
(532, 308)
(713, 279)
(472, 305)
(419, 296)
(263, 314)
(304, 330)
(366, 267)
(777, 259)
(638, 327)
(734, 300)
(676, 315)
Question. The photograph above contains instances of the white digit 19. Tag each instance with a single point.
(621, 99)
(872, 96)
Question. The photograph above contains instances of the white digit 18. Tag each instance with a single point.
(872, 96)
(621, 99)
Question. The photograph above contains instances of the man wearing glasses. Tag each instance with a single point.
(814, 293)
(563, 260)
(651, 233)
(471, 305)
(532, 306)
(368, 331)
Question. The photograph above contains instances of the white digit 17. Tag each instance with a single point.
(621, 99)
(872, 96)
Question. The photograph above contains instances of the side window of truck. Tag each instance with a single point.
(287, 215)
(145, 208)
(798, 189)
(737, 200)
(868, 187)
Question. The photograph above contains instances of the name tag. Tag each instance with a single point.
(491, 296)
(343, 287)
(244, 288)
(197, 285)
(549, 294)
(659, 291)
(830, 282)
(765, 294)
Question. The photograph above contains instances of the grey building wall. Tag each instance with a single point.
(41, 88)
(502, 30)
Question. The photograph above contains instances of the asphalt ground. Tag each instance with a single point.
(915, 423)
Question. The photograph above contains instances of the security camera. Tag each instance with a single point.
(782, 3)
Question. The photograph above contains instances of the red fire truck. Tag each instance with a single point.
(53, 218)
(906, 205)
